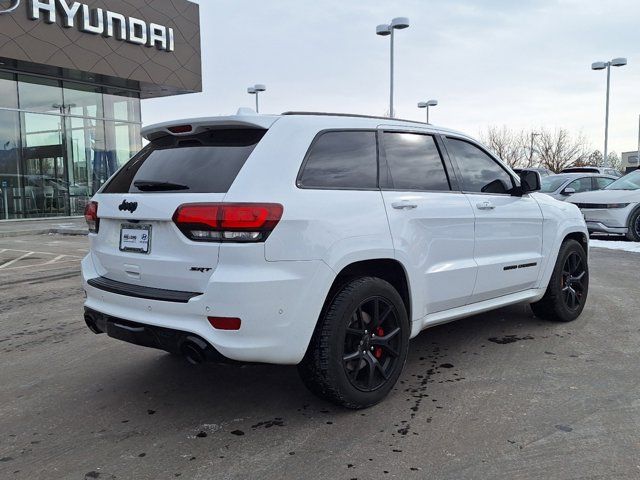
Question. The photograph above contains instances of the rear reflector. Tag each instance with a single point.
(228, 222)
(91, 216)
(225, 323)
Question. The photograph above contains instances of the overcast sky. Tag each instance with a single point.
(520, 63)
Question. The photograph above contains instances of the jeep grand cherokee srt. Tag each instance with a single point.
(322, 240)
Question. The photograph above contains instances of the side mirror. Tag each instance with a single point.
(569, 191)
(530, 181)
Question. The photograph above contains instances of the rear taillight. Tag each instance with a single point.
(91, 216)
(228, 222)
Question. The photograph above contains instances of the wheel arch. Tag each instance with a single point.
(569, 229)
(579, 237)
(387, 269)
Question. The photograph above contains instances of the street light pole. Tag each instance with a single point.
(616, 62)
(638, 157)
(606, 118)
(385, 30)
(426, 105)
(533, 138)
(255, 90)
(391, 72)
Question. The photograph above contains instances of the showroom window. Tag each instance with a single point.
(60, 142)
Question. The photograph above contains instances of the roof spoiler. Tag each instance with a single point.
(245, 118)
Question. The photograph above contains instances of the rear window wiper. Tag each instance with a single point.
(151, 186)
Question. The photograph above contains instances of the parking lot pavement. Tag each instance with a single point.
(497, 396)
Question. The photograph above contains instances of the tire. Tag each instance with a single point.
(633, 233)
(568, 288)
(344, 350)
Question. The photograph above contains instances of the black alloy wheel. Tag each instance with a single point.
(573, 275)
(360, 344)
(372, 344)
(568, 287)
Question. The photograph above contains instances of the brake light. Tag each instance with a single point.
(91, 216)
(228, 222)
(181, 129)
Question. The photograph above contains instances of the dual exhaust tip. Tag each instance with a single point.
(195, 350)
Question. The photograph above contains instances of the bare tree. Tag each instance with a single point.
(558, 149)
(615, 161)
(508, 145)
(595, 159)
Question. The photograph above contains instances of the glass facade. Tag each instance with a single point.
(59, 143)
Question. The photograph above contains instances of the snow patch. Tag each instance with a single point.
(614, 245)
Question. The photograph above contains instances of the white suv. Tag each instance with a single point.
(322, 240)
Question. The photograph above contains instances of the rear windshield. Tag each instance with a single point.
(205, 163)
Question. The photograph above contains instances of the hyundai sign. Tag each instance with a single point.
(99, 21)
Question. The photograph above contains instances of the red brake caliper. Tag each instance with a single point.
(377, 352)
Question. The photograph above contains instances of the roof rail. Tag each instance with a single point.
(329, 114)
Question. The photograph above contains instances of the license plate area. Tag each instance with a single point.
(135, 238)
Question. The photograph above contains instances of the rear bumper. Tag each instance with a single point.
(277, 302)
(160, 338)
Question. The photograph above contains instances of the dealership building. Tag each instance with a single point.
(72, 76)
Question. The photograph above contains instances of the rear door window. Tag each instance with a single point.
(205, 163)
(414, 162)
(342, 160)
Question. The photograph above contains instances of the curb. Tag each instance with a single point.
(23, 232)
(45, 231)
(69, 231)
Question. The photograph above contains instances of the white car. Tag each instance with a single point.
(616, 209)
(322, 240)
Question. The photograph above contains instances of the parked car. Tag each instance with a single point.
(562, 186)
(322, 240)
(602, 170)
(616, 209)
(544, 172)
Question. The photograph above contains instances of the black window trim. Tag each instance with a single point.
(384, 171)
(317, 137)
(458, 169)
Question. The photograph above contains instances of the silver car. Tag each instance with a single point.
(616, 209)
(564, 185)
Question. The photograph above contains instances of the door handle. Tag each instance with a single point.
(404, 205)
(485, 206)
